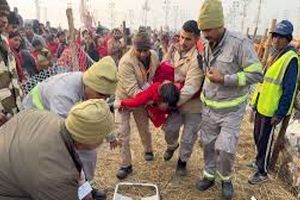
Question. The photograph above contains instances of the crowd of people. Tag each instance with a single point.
(50, 134)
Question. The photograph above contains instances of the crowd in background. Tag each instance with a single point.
(38, 47)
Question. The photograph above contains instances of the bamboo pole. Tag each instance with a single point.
(260, 51)
(247, 31)
(75, 65)
(124, 37)
(254, 34)
(279, 144)
(268, 44)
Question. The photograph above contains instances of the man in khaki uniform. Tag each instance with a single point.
(10, 90)
(136, 70)
(188, 72)
(38, 151)
(61, 92)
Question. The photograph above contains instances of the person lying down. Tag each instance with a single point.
(160, 97)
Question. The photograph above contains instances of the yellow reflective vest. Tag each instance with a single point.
(268, 94)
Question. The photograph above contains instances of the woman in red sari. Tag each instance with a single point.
(25, 63)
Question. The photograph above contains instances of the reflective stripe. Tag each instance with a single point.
(256, 67)
(271, 91)
(224, 104)
(207, 79)
(241, 78)
(36, 98)
(223, 178)
(272, 81)
(208, 175)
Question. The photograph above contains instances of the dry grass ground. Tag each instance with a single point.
(173, 187)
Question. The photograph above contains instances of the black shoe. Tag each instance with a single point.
(258, 178)
(98, 195)
(181, 168)
(149, 156)
(124, 172)
(169, 153)
(204, 184)
(227, 189)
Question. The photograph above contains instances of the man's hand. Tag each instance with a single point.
(215, 76)
(114, 144)
(169, 52)
(275, 121)
(3, 119)
(146, 86)
(173, 47)
(117, 104)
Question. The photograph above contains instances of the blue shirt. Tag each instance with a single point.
(288, 87)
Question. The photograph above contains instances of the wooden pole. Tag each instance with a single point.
(247, 31)
(260, 51)
(279, 144)
(255, 32)
(75, 65)
(124, 37)
(268, 44)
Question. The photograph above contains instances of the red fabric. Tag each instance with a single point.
(78, 40)
(35, 55)
(53, 46)
(165, 71)
(66, 59)
(157, 116)
(102, 51)
(150, 94)
(200, 46)
(19, 68)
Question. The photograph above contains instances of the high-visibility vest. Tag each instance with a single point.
(268, 94)
(36, 98)
(224, 104)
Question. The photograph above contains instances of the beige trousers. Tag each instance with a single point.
(122, 119)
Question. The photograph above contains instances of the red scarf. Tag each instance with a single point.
(18, 59)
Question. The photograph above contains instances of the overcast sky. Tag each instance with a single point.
(131, 11)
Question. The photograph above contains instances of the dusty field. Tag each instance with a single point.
(173, 187)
